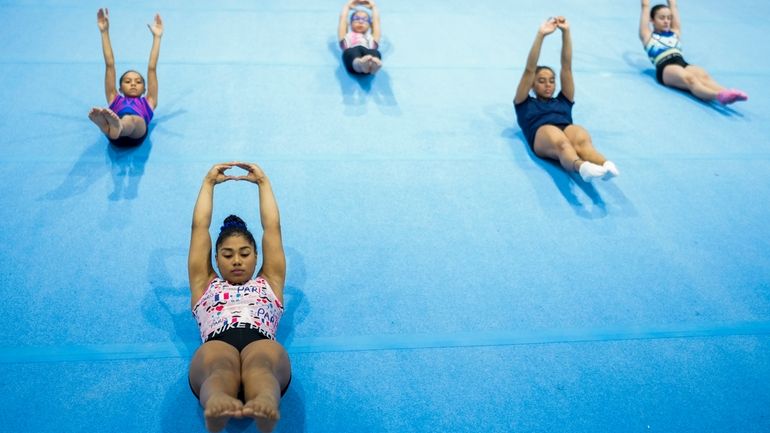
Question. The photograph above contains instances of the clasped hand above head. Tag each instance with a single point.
(365, 3)
(253, 174)
(552, 23)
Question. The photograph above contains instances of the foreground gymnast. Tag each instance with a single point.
(125, 121)
(665, 51)
(239, 370)
(547, 121)
(360, 40)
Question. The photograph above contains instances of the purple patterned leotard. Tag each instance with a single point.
(123, 105)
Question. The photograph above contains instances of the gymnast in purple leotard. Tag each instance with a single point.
(130, 111)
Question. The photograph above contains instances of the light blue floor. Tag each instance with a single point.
(441, 278)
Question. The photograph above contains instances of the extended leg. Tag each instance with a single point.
(681, 78)
(551, 142)
(581, 140)
(265, 370)
(215, 374)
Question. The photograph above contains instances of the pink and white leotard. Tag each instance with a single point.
(249, 305)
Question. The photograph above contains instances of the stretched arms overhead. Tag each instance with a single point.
(676, 24)
(567, 80)
(376, 32)
(199, 268)
(644, 23)
(273, 258)
(645, 32)
(103, 22)
(110, 80)
(342, 27)
(156, 29)
(528, 77)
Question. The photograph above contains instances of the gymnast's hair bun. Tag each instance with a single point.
(233, 222)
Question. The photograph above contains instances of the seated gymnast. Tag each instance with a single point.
(129, 113)
(660, 30)
(361, 38)
(239, 370)
(547, 121)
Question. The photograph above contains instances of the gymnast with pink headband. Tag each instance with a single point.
(126, 119)
(659, 31)
(359, 36)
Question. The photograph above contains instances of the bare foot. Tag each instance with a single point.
(113, 121)
(96, 116)
(374, 65)
(360, 66)
(264, 409)
(366, 64)
(219, 409)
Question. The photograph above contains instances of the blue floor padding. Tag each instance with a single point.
(441, 277)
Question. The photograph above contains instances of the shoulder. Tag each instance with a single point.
(562, 97)
(199, 295)
(523, 103)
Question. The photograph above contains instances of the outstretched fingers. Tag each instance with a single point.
(156, 28)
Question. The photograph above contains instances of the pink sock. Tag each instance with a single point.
(742, 96)
(728, 96)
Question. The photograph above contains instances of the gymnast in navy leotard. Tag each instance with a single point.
(547, 121)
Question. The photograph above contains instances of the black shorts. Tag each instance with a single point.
(351, 54)
(239, 338)
(126, 142)
(674, 59)
(561, 126)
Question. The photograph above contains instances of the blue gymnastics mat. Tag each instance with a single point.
(441, 278)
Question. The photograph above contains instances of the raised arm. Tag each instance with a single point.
(273, 257)
(676, 24)
(567, 81)
(528, 77)
(199, 268)
(342, 27)
(103, 22)
(644, 23)
(376, 30)
(156, 29)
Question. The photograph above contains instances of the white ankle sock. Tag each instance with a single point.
(590, 171)
(612, 170)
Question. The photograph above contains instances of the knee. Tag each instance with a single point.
(563, 146)
(582, 142)
(263, 354)
(690, 79)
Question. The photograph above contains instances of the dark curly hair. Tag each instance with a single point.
(540, 68)
(234, 226)
(655, 10)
